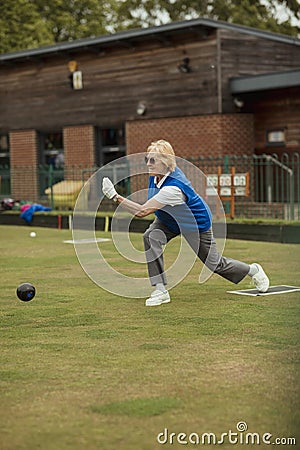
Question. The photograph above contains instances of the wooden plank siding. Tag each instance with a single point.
(250, 55)
(276, 110)
(36, 94)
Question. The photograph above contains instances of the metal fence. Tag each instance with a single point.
(274, 183)
(272, 191)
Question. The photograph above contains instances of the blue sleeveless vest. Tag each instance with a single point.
(193, 215)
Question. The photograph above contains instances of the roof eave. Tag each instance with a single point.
(143, 33)
(278, 80)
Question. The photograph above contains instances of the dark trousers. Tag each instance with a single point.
(203, 244)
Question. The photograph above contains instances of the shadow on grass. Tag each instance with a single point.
(139, 407)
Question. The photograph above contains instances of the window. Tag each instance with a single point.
(110, 144)
(51, 156)
(52, 150)
(4, 150)
(275, 137)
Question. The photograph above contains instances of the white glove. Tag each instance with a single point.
(108, 188)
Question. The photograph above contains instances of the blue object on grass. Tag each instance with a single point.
(35, 207)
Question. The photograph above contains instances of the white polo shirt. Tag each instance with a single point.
(168, 195)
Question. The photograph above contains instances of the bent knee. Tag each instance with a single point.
(146, 235)
(155, 235)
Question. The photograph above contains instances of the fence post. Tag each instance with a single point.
(269, 180)
(226, 170)
(51, 185)
(292, 203)
(226, 164)
(296, 166)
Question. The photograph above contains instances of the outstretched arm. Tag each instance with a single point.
(135, 208)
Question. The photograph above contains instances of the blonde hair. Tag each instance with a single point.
(166, 152)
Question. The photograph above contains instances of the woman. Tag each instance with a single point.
(179, 210)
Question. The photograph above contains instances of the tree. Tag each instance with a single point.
(33, 23)
(253, 13)
(75, 19)
(21, 26)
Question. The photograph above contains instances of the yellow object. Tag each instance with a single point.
(106, 225)
(72, 66)
(65, 194)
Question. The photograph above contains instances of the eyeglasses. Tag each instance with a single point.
(150, 160)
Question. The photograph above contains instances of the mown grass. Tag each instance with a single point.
(84, 369)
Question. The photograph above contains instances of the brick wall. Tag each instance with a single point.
(237, 134)
(79, 150)
(79, 146)
(24, 165)
(211, 135)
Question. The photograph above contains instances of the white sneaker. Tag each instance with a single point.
(158, 297)
(261, 280)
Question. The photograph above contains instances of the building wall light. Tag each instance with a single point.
(184, 66)
(141, 108)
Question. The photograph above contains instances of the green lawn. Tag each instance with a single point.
(83, 369)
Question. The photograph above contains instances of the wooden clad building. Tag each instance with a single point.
(97, 99)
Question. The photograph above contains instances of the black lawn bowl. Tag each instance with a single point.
(26, 292)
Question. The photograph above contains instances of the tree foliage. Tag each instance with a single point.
(253, 13)
(33, 23)
(21, 26)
